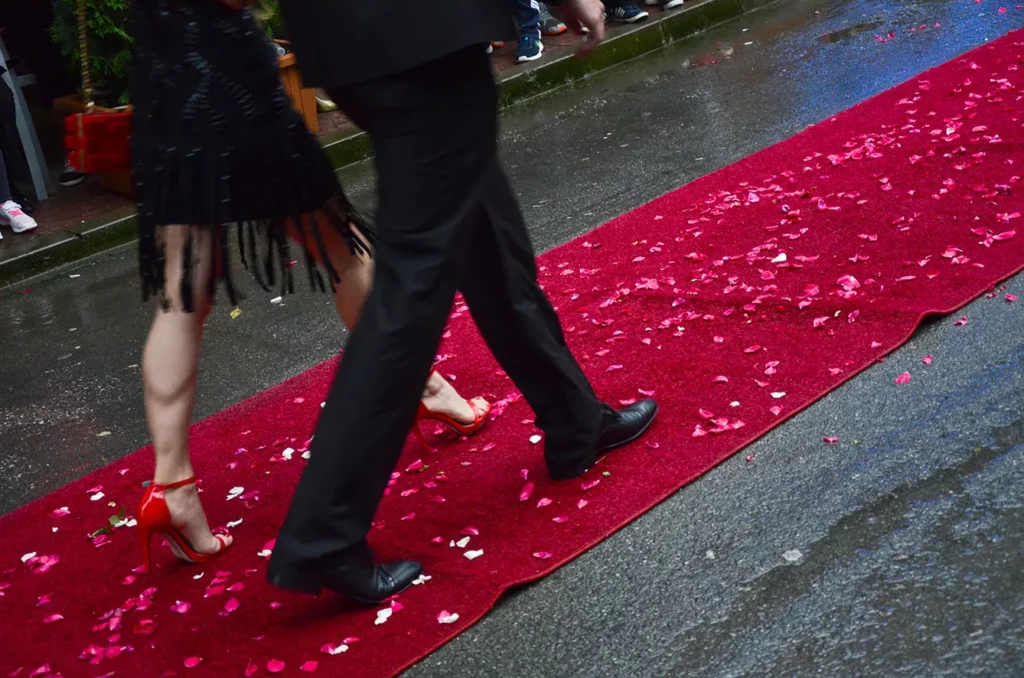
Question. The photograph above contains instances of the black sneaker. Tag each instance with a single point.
(69, 176)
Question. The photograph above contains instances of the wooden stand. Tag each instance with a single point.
(303, 98)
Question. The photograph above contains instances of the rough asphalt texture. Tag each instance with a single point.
(909, 532)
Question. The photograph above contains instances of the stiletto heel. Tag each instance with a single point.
(423, 414)
(153, 516)
(146, 538)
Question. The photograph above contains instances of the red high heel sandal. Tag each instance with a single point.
(423, 414)
(153, 516)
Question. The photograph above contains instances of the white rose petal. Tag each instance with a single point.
(97, 496)
(383, 615)
(778, 394)
(422, 579)
(234, 492)
(235, 523)
(534, 439)
(473, 555)
(462, 542)
(28, 556)
(287, 453)
(779, 259)
(792, 555)
(710, 554)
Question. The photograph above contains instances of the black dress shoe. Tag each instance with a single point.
(353, 575)
(624, 426)
(617, 429)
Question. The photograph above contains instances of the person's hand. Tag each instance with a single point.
(239, 4)
(588, 14)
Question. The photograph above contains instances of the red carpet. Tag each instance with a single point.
(737, 301)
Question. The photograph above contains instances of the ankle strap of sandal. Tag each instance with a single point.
(172, 486)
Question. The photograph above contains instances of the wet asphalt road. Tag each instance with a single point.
(910, 530)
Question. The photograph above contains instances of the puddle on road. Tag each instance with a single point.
(848, 32)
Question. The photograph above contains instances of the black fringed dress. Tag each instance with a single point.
(216, 144)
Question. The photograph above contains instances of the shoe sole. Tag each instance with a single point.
(23, 230)
(72, 182)
(605, 450)
(552, 33)
(295, 586)
(638, 18)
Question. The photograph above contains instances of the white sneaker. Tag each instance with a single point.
(11, 215)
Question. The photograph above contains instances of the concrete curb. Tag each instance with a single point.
(519, 86)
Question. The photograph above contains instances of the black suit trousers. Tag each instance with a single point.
(447, 221)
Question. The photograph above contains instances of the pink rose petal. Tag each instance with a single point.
(525, 493)
(1011, 297)
(275, 666)
(53, 618)
(470, 531)
(231, 606)
(193, 662)
(543, 502)
(961, 322)
(446, 617)
(181, 607)
(542, 555)
(560, 519)
(415, 466)
(927, 360)
(903, 378)
(251, 669)
(309, 667)
(831, 439)
(590, 484)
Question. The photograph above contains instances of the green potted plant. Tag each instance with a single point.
(110, 45)
(110, 58)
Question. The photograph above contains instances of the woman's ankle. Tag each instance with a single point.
(165, 474)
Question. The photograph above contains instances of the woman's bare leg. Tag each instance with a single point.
(356, 273)
(170, 362)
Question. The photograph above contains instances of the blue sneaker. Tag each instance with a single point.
(627, 13)
(530, 48)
